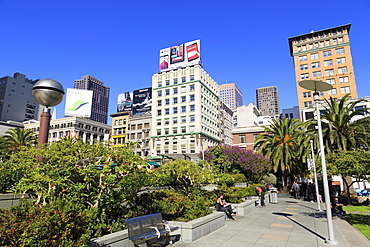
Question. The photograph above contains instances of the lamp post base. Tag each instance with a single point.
(331, 242)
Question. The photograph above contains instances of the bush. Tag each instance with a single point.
(270, 179)
(239, 178)
(235, 194)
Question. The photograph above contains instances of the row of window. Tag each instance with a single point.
(328, 72)
(176, 130)
(175, 81)
(340, 60)
(324, 54)
(319, 36)
(166, 121)
(343, 90)
(175, 110)
(175, 100)
(175, 90)
(320, 44)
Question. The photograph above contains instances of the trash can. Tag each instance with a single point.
(273, 195)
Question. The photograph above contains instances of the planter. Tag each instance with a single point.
(188, 231)
(245, 208)
(10, 200)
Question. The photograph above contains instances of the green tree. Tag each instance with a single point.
(355, 164)
(19, 137)
(283, 142)
(340, 132)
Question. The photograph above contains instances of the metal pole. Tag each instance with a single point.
(44, 126)
(324, 176)
(314, 172)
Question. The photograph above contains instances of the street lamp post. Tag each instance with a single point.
(47, 92)
(317, 86)
(315, 176)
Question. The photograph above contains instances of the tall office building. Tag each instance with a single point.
(99, 109)
(231, 95)
(326, 56)
(16, 100)
(268, 101)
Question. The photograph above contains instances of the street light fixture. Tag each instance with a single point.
(47, 92)
(317, 86)
(315, 176)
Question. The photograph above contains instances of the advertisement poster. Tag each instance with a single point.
(142, 101)
(78, 102)
(180, 56)
(125, 101)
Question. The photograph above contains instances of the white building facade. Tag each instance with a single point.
(185, 112)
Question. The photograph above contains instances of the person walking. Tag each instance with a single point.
(296, 190)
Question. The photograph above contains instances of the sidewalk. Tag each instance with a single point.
(289, 223)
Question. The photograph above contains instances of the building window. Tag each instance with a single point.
(167, 92)
(315, 65)
(159, 132)
(167, 111)
(192, 98)
(192, 108)
(183, 99)
(192, 87)
(343, 79)
(304, 76)
(340, 40)
(327, 42)
(133, 127)
(159, 84)
(166, 131)
(159, 102)
(159, 122)
(316, 74)
(321, 43)
(345, 90)
(159, 112)
(330, 81)
(307, 104)
(183, 129)
(192, 129)
(183, 109)
(329, 72)
(167, 82)
(242, 139)
(175, 100)
(303, 66)
(191, 77)
(175, 81)
(303, 58)
(192, 118)
(339, 51)
(159, 93)
(183, 119)
(139, 126)
(332, 91)
(174, 110)
(166, 121)
(183, 79)
(314, 55)
(306, 94)
(342, 70)
(174, 120)
(326, 53)
(328, 62)
(183, 89)
(167, 101)
(174, 130)
(341, 60)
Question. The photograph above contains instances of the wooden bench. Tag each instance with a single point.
(149, 229)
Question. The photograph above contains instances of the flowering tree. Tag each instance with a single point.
(235, 159)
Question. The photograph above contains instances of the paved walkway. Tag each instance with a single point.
(290, 223)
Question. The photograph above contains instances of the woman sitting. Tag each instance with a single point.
(222, 205)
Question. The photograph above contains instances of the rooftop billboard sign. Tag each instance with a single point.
(180, 56)
(78, 102)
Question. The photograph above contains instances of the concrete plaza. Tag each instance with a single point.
(289, 223)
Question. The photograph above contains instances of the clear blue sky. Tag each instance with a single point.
(118, 41)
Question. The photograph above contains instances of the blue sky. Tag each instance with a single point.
(118, 41)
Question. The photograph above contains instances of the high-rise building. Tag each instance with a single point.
(231, 95)
(268, 101)
(326, 56)
(16, 100)
(185, 112)
(100, 100)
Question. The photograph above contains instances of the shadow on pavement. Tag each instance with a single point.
(296, 222)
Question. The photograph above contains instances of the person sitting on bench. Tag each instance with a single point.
(338, 206)
(222, 205)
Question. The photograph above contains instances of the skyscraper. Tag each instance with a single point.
(326, 56)
(99, 109)
(268, 101)
(231, 95)
(16, 100)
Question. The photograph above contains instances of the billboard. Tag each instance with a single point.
(142, 101)
(180, 56)
(78, 102)
(125, 101)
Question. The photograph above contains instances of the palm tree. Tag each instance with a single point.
(283, 143)
(340, 132)
(18, 137)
